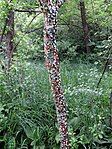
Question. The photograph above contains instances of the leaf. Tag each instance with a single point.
(14, 1)
(91, 44)
(36, 133)
(100, 47)
(75, 122)
(1, 139)
(12, 143)
(28, 130)
(110, 8)
(1, 107)
(42, 147)
(57, 138)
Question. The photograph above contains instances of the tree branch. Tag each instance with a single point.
(105, 66)
(3, 31)
(28, 10)
(33, 19)
(25, 31)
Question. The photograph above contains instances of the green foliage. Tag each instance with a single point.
(27, 112)
(28, 117)
(70, 33)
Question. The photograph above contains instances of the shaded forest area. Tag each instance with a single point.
(56, 74)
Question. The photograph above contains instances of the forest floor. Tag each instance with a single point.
(28, 115)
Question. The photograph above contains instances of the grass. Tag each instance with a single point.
(27, 112)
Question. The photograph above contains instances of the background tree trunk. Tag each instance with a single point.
(85, 26)
(111, 109)
(9, 39)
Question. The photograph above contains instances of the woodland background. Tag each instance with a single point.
(27, 112)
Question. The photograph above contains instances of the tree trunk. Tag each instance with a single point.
(111, 109)
(85, 26)
(52, 64)
(9, 39)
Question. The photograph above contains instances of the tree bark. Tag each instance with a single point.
(52, 63)
(85, 25)
(9, 39)
(111, 109)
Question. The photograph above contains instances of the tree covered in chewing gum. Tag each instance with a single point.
(50, 10)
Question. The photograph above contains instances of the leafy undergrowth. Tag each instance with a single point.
(27, 112)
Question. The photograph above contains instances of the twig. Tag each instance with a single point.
(26, 31)
(33, 19)
(105, 66)
(28, 10)
(3, 32)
